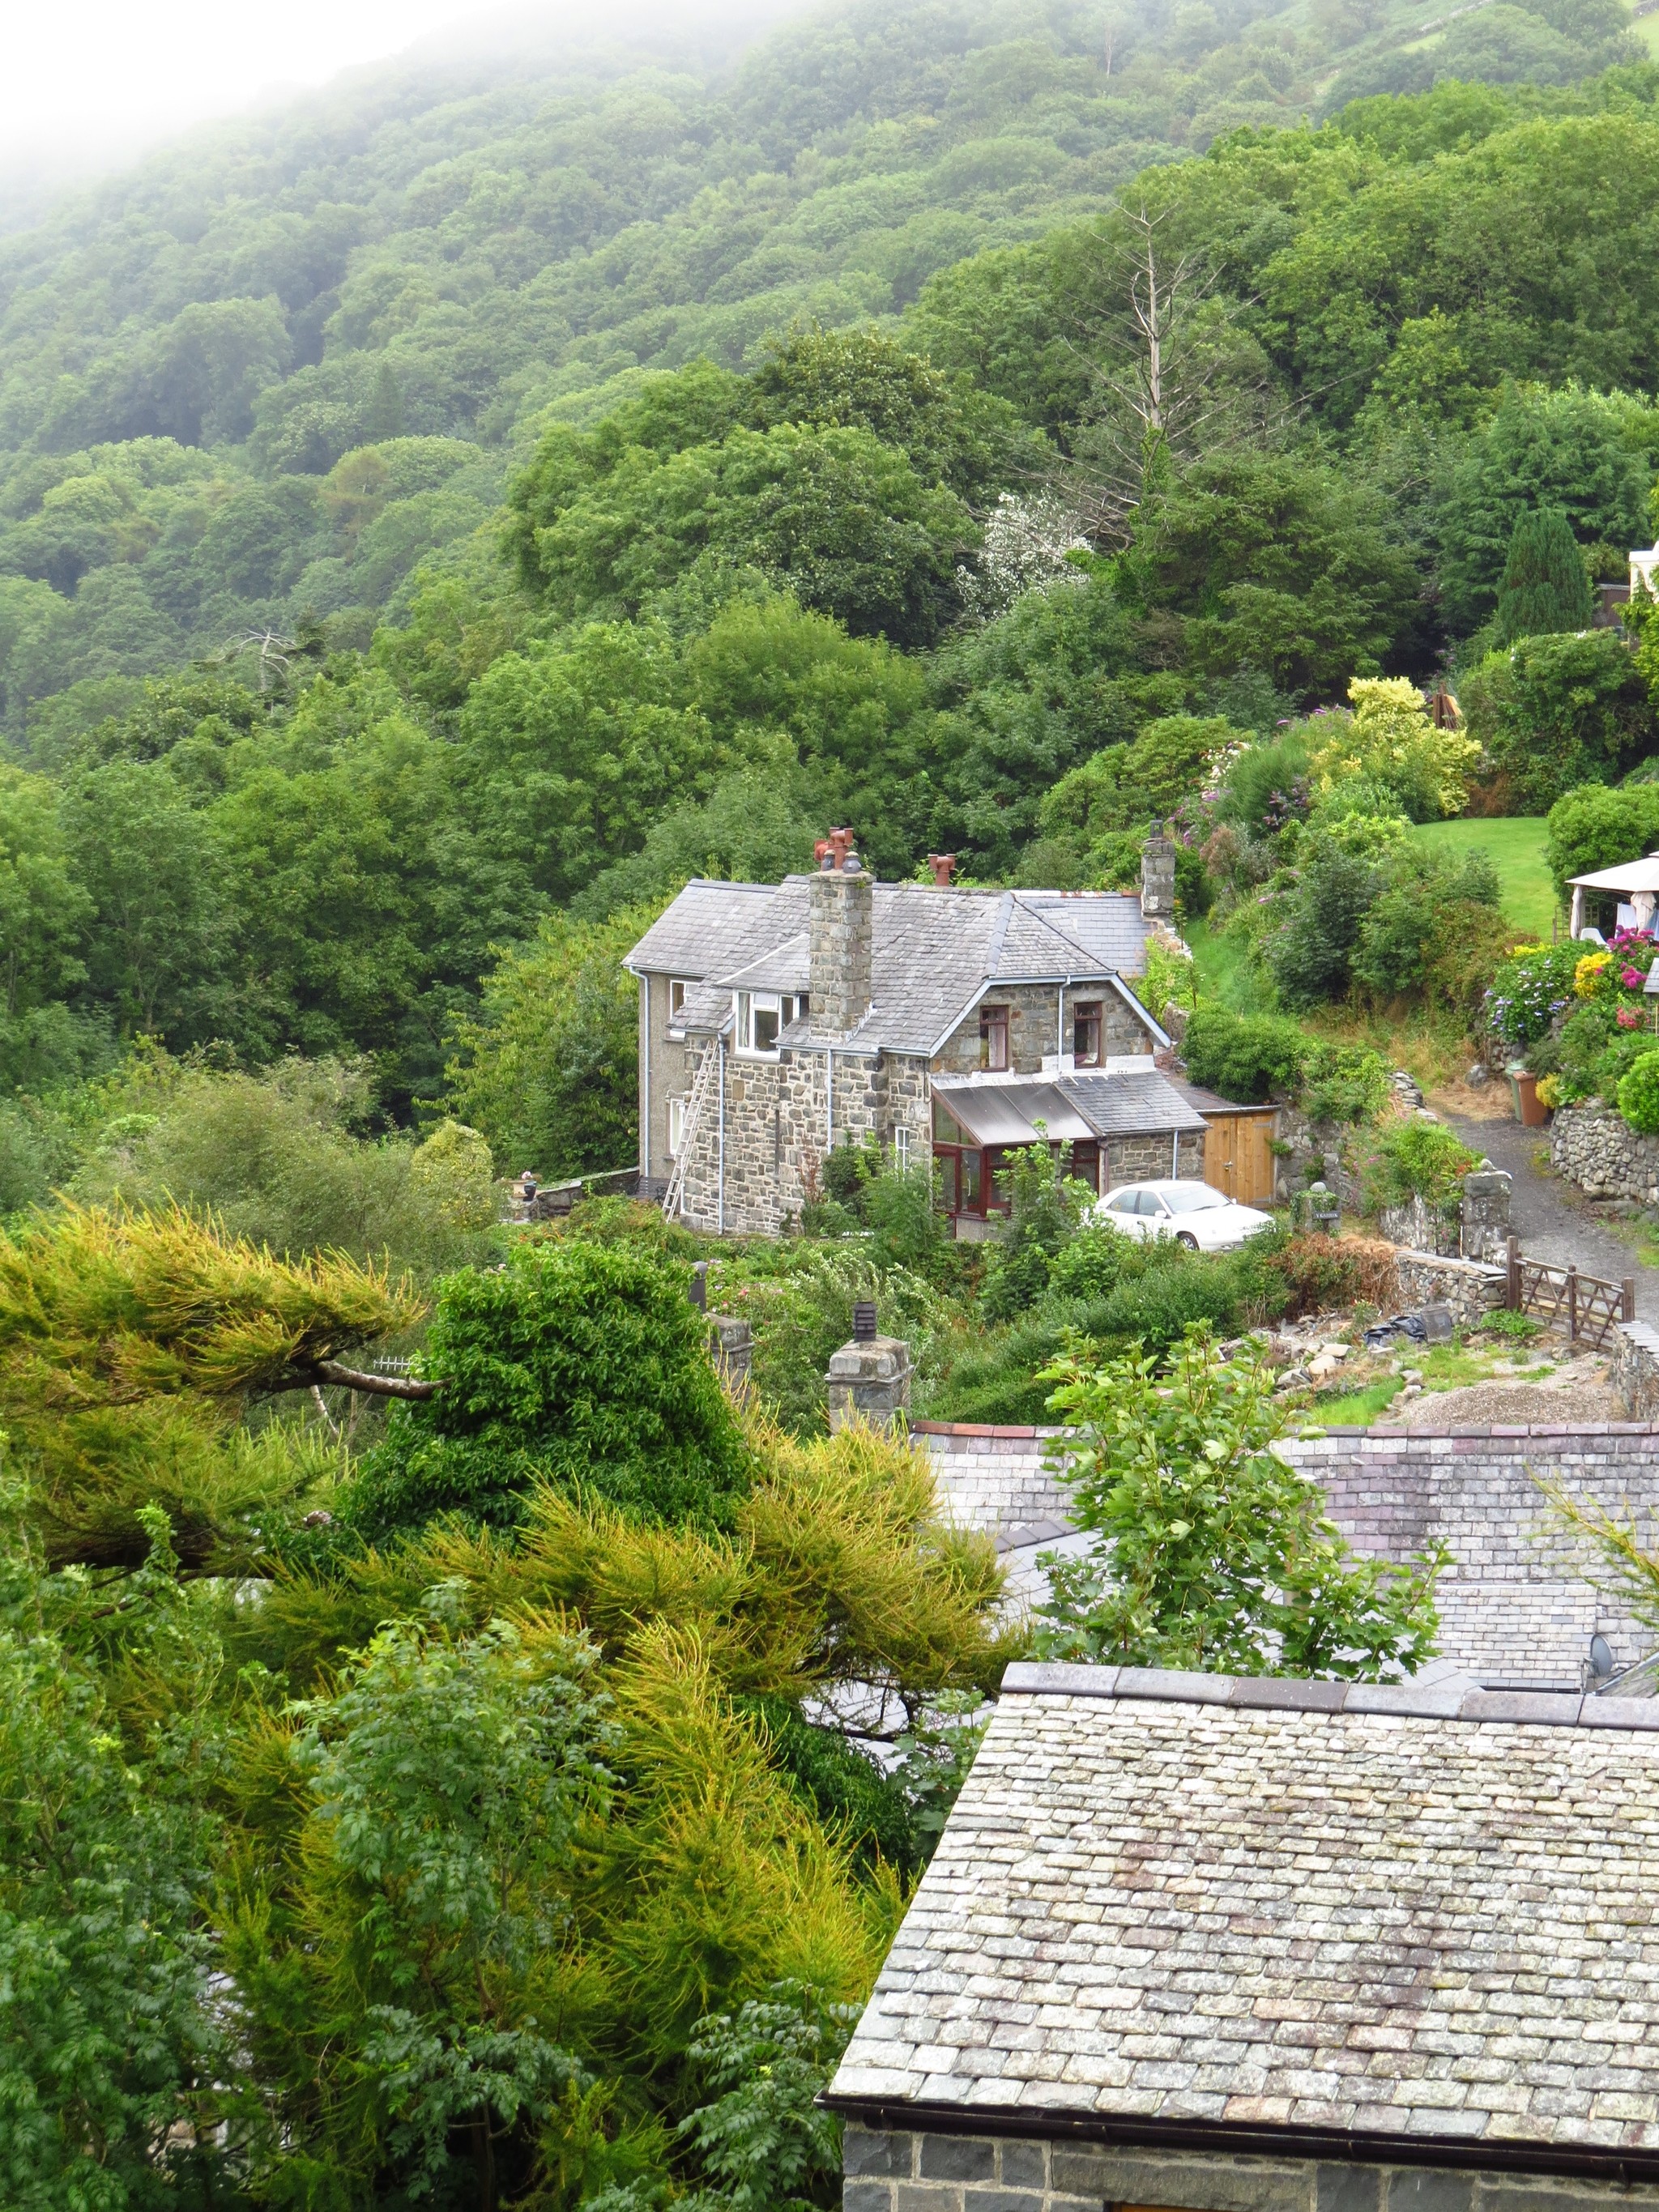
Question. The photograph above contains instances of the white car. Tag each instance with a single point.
(1203, 1219)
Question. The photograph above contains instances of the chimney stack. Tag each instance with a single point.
(1158, 876)
(942, 865)
(841, 937)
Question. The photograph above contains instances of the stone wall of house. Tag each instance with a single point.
(1514, 1604)
(889, 2169)
(1034, 1034)
(1153, 1159)
(1598, 1150)
(778, 1123)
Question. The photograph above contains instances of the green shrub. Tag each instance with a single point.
(1597, 828)
(1557, 712)
(1267, 784)
(904, 1223)
(1244, 1058)
(1346, 1083)
(1518, 1328)
(1638, 1093)
(584, 1366)
(1416, 1159)
(1046, 1208)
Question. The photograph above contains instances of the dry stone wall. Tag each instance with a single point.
(1598, 1150)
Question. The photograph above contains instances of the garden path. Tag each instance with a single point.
(1553, 1220)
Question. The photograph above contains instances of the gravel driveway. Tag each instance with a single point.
(1552, 1219)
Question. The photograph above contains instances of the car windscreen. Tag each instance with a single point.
(1190, 1198)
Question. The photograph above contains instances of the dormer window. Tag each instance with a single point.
(762, 1016)
(678, 988)
(1085, 1033)
(993, 1038)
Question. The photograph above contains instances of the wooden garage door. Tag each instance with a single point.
(1237, 1159)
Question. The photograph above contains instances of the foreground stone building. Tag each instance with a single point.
(777, 1021)
(1225, 1945)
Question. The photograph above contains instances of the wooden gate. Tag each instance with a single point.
(1588, 1304)
(1238, 1157)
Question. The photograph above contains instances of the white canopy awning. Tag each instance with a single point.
(1633, 876)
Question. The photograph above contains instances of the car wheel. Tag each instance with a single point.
(1182, 1236)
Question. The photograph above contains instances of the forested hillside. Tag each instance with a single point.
(436, 523)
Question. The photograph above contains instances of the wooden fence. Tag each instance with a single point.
(1590, 1306)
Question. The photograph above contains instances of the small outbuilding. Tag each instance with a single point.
(1234, 1945)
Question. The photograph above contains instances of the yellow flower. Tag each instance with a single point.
(1590, 976)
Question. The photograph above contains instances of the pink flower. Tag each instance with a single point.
(1631, 978)
(1628, 1018)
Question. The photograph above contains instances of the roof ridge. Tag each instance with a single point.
(1455, 1698)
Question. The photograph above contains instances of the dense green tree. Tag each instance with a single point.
(835, 516)
(1278, 563)
(157, 952)
(571, 749)
(1543, 588)
(1570, 451)
(579, 1364)
(549, 1067)
(1555, 712)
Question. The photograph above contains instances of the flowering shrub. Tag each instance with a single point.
(1529, 989)
(1628, 1018)
(1392, 740)
(1591, 975)
(1549, 1091)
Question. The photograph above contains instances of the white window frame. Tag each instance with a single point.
(902, 1149)
(676, 1125)
(787, 1006)
(678, 988)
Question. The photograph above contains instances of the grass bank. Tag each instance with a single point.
(1516, 847)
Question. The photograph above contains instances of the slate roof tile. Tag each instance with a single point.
(933, 951)
(1428, 1924)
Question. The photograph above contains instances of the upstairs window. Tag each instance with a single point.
(678, 988)
(1086, 1033)
(762, 1016)
(993, 1038)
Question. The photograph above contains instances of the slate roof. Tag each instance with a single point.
(934, 952)
(1125, 1105)
(1424, 1916)
(699, 931)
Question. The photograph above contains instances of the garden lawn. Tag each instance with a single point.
(1516, 847)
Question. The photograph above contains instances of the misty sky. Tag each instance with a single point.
(86, 82)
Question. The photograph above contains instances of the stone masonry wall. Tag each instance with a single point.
(778, 1121)
(1515, 1605)
(902, 2170)
(1633, 1370)
(1033, 1028)
(1153, 1159)
(1469, 1287)
(1599, 1150)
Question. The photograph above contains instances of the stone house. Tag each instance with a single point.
(1225, 1945)
(777, 1021)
